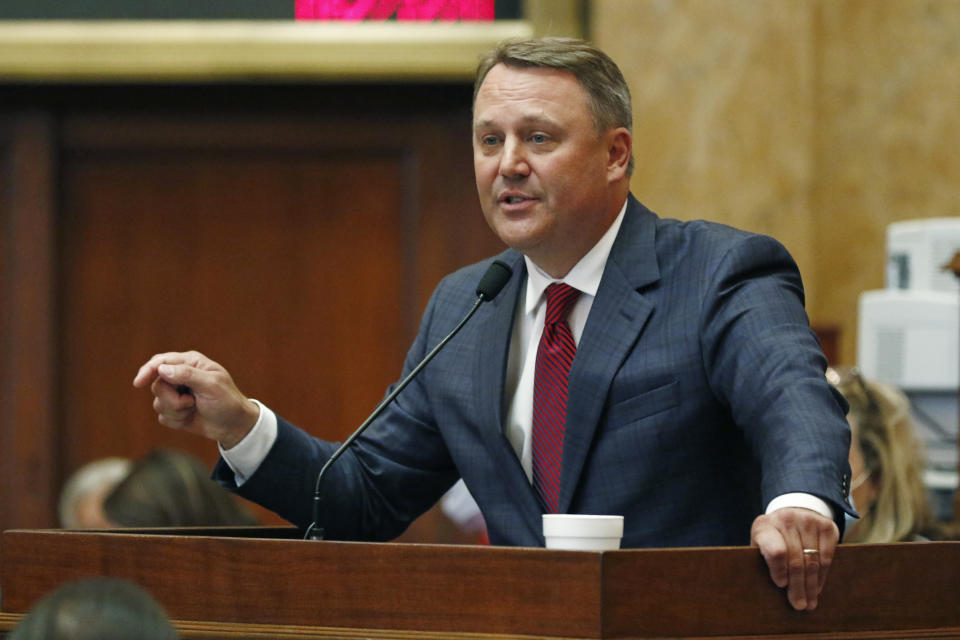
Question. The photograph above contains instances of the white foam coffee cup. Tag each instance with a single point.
(581, 532)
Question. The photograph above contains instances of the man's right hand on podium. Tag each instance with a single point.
(195, 394)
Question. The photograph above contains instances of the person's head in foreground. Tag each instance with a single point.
(96, 609)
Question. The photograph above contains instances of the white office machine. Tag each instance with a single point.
(909, 336)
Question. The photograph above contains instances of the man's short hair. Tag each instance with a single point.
(597, 73)
(607, 91)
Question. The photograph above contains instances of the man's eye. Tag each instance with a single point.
(538, 138)
(488, 141)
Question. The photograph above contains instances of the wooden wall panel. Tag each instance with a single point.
(295, 242)
(283, 268)
(27, 381)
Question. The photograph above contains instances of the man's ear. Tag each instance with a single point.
(619, 147)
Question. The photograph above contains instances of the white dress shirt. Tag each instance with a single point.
(528, 326)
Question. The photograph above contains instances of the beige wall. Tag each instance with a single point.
(816, 121)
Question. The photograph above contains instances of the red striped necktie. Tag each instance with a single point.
(554, 358)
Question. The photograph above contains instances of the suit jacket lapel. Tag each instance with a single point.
(494, 343)
(616, 320)
(491, 368)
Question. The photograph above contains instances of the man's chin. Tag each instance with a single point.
(518, 232)
(522, 242)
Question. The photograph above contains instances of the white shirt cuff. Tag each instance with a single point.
(245, 457)
(802, 500)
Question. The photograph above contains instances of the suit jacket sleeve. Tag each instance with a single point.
(390, 475)
(765, 363)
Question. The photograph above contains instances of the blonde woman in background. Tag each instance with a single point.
(887, 462)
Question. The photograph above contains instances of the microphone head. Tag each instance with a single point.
(493, 280)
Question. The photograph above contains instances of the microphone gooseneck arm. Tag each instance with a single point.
(490, 285)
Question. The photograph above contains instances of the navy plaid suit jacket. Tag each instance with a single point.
(697, 395)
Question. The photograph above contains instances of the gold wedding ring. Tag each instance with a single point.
(811, 552)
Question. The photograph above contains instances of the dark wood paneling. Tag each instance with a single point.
(296, 243)
(27, 387)
(904, 590)
(882, 588)
(829, 336)
(284, 267)
(355, 585)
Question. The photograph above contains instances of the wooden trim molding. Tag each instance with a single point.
(349, 590)
(200, 630)
(27, 371)
(210, 51)
(556, 17)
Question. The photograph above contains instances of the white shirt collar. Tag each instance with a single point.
(585, 275)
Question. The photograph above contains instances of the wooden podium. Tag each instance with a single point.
(260, 583)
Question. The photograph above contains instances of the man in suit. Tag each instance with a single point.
(691, 395)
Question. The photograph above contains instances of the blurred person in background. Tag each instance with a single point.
(81, 500)
(96, 609)
(172, 489)
(887, 463)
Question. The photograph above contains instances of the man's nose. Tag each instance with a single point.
(513, 161)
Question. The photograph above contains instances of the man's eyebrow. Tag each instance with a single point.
(532, 118)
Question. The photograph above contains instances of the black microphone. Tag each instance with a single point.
(496, 276)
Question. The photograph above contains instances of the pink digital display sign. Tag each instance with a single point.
(403, 10)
